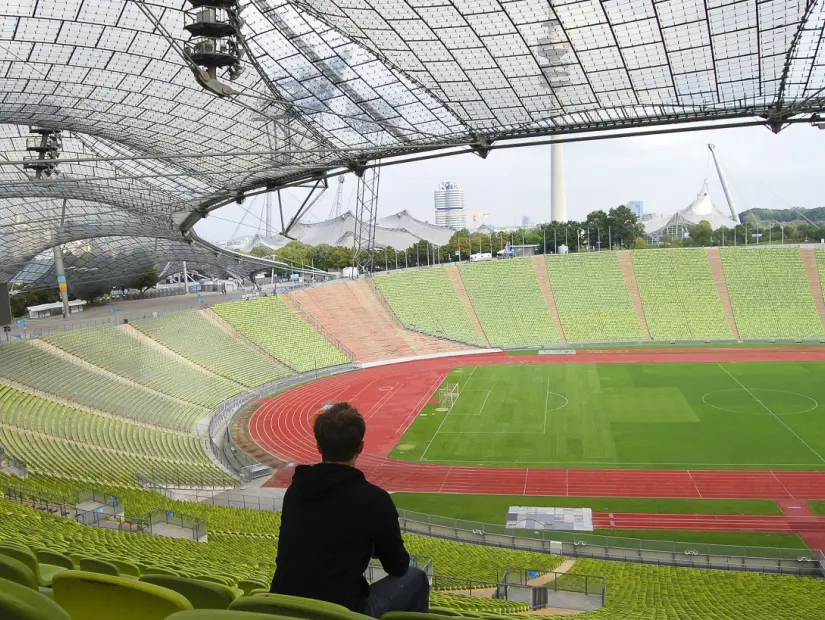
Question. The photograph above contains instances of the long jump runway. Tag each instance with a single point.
(391, 396)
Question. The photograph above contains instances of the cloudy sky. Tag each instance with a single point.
(666, 172)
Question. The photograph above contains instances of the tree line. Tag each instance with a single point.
(617, 228)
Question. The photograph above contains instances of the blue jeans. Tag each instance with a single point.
(410, 592)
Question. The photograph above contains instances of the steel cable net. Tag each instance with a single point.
(323, 84)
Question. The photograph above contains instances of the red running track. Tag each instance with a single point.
(741, 523)
(391, 396)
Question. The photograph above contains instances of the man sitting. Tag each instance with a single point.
(333, 521)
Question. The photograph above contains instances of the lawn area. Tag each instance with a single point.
(817, 505)
(493, 508)
(645, 416)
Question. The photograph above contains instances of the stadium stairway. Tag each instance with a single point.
(718, 271)
(352, 313)
(626, 265)
(809, 263)
(458, 284)
(540, 267)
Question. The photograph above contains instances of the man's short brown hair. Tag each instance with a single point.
(339, 432)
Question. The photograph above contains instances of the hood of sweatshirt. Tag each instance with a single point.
(313, 482)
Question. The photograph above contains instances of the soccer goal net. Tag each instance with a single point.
(447, 395)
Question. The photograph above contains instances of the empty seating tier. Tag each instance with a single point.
(640, 591)
(820, 263)
(30, 366)
(509, 303)
(271, 324)
(112, 348)
(592, 298)
(55, 439)
(770, 294)
(680, 298)
(425, 300)
(199, 340)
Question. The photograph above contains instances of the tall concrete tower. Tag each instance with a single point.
(558, 196)
(555, 49)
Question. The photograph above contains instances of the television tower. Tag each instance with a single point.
(555, 49)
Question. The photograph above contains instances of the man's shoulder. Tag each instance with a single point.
(376, 493)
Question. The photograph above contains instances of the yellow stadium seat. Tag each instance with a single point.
(202, 594)
(90, 596)
(17, 572)
(294, 607)
(19, 599)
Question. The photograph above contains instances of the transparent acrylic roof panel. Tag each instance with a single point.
(330, 81)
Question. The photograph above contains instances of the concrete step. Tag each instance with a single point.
(458, 284)
(626, 265)
(543, 277)
(718, 271)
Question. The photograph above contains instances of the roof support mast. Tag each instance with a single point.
(734, 216)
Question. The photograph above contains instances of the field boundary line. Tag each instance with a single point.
(784, 488)
(695, 486)
(444, 419)
(780, 420)
(584, 465)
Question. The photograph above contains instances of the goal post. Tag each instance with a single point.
(448, 395)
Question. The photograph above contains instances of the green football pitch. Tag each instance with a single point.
(678, 416)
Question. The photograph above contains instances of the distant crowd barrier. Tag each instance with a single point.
(587, 545)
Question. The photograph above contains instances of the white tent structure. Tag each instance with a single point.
(679, 223)
(399, 231)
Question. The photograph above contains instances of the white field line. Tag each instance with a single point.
(780, 420)
(546, 402)
(444, 419)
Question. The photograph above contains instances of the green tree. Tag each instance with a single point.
(147, 279)
(701, 233)
(624, 226)
(260, 251)
(639, 244)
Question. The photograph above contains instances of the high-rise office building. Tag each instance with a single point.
(637, 206)
(449, 206)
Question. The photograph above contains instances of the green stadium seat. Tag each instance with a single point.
(411, 615)
(101, 567)
(14, 570)
(27, 603)
(294, 607)
(274, 326)
(89, 596)
(158, 570)
(201, 594)
(215, 614)
(509, 304)
(194, 336)
(120, 351)
(126, 569)
(679, 295)
(43, 575)
(53, 558)
(592, 299)
(445, 611)
(425, 300)
(247, 585)
(770, 295)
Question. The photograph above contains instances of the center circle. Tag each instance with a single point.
(759, 401)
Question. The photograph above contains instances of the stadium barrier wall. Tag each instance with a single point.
(585, 545)
(217, 433)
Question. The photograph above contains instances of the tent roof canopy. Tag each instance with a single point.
(331, 85)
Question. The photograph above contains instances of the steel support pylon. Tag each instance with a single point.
(366, 218)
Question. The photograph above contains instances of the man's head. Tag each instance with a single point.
(339, 434)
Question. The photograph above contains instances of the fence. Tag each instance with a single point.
(553, 589)
(15, 465)
(585, 545)
(195, 527)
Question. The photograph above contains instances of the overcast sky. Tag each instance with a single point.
(666, 172)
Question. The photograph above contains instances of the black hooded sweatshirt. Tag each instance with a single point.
(333, 521)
